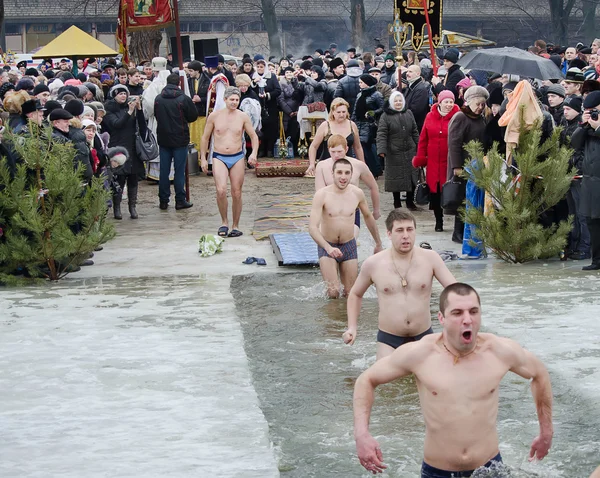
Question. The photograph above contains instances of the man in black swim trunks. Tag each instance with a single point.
(458, 374)
(403, 276)
(332, 228)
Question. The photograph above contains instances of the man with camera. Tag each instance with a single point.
(587, 136)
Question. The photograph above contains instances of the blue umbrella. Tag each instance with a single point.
(513, 61)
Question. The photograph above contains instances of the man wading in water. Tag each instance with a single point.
(403, 276)
(333, 209)
(227, 127)
(458, 373)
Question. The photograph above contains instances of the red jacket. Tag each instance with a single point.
(432, 150)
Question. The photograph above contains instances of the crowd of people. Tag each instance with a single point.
(394, 117)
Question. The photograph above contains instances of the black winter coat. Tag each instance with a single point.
(136, 90)
(348, 89)
(122, 128)
(173, 111)
(201, 91)
(82, 156)
(368, 100)
(269, 102)
(569, 128)
(589, 139)
(387, 75)
(417, 100)
(453, 76)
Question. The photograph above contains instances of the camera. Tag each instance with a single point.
(132, 99)
(594, 114)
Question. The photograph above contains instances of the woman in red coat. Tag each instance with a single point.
(432, 150)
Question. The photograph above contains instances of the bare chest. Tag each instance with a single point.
(392, 279)
(340, 205)
(227, 124)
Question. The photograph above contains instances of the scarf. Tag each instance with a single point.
(361, 103)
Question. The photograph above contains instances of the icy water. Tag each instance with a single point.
(127, 378)
(304, 374)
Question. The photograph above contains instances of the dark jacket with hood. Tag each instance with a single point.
(173, 111)
(453, 76)
(568, 128)
(387, 75)
(348, 87)
(588, 139)
(82, 156)
(366, 113)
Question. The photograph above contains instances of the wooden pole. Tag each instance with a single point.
(182, 85)
(431, 48)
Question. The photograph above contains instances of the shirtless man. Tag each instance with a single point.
(333, 210)
(596, 473)
(458, 374)
(338, 148)
(227, 127)
(403, 276)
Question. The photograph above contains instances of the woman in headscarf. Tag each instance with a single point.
(432, 151)
(397, 139)
(467, 125)
(249, 104)
(367, 110)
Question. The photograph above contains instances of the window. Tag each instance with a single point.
(106, 27)
(13, 28)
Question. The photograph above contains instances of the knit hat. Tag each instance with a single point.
(452, 55)
(88, 122)
(118, 154)
(317, 62)
(72, 82)
(40, 88)
(464, 83)
(25, 83)
(258, 56)
(389, 56)
(556, 89)
(574, 102)
(351, 49)
(392, 99)
(335, 63)
(98, 105)
(88, 110)
(592, 100)
(476, 92)
(445, 95)
(115, 90)
(75, 107)
(306, 65)
(32, 72)
(368, 80)
(60, 114)
(352, 64)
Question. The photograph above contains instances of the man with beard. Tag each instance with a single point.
(268, 90)
(417, 95)
(458, 374)
(226, 127)
(403, 277)
(332, 228)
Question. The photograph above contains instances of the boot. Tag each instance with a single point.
(459, 227)
(132, 198)
(439, 221)
(117, 207)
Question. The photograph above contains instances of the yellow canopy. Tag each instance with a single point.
(74, 42)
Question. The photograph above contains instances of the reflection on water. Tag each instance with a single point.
(304, 374)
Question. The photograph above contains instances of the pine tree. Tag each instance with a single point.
(513, 231)
(50, 219)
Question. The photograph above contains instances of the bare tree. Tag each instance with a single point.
(588, 9)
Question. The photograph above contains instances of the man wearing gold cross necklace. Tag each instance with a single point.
(403, 276)
(458, 374)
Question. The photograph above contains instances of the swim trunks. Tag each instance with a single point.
(357, 218)
(348, 249)
(229, 159)
(396, 341)
(431, 472)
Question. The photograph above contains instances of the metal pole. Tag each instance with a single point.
(431, 49)
(182, 85)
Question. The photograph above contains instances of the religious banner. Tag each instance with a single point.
(122, 31)
(412, 12)
(146, 14)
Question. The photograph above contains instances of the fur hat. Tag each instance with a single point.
(51, 105)
(32, 72)
(574, 102)
(159, 63)
(30, 106)
(351, 49)
(496, 96)
(317, 62)
(556, 89)
(510, 86)
(115, 90)
(476, 92)
(118, 154)
(5, 88)
(75, 107)
(368, 80)
(445, 95)
(592, 100)
(335, 63)
(588, 85)
(306, 65)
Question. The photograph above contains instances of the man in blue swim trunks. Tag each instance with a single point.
(332, 227)
(458, 374)
(227, 127)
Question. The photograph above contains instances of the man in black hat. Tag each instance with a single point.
(32, 112)
(60, 121)
(41, 93)
(573, 82)
(22, 66)
(587, 136)
(318, 53)
(333, 49)
(336, 66)
(453, 73)
(351, 53)
(379, 49)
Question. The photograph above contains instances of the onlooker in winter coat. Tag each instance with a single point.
(388, 73)
(367, 110)
(173, 111)
(384, 89)
(267, 88)
(314, 86)
(289, 101)
(417, 95)
(123, 118)
(397, 139)
(466, 125)
(432, 151)
(453, 73)
(556, 94)
(348, 87)
(587, 136)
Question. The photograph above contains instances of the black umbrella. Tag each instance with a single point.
(512, 61)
